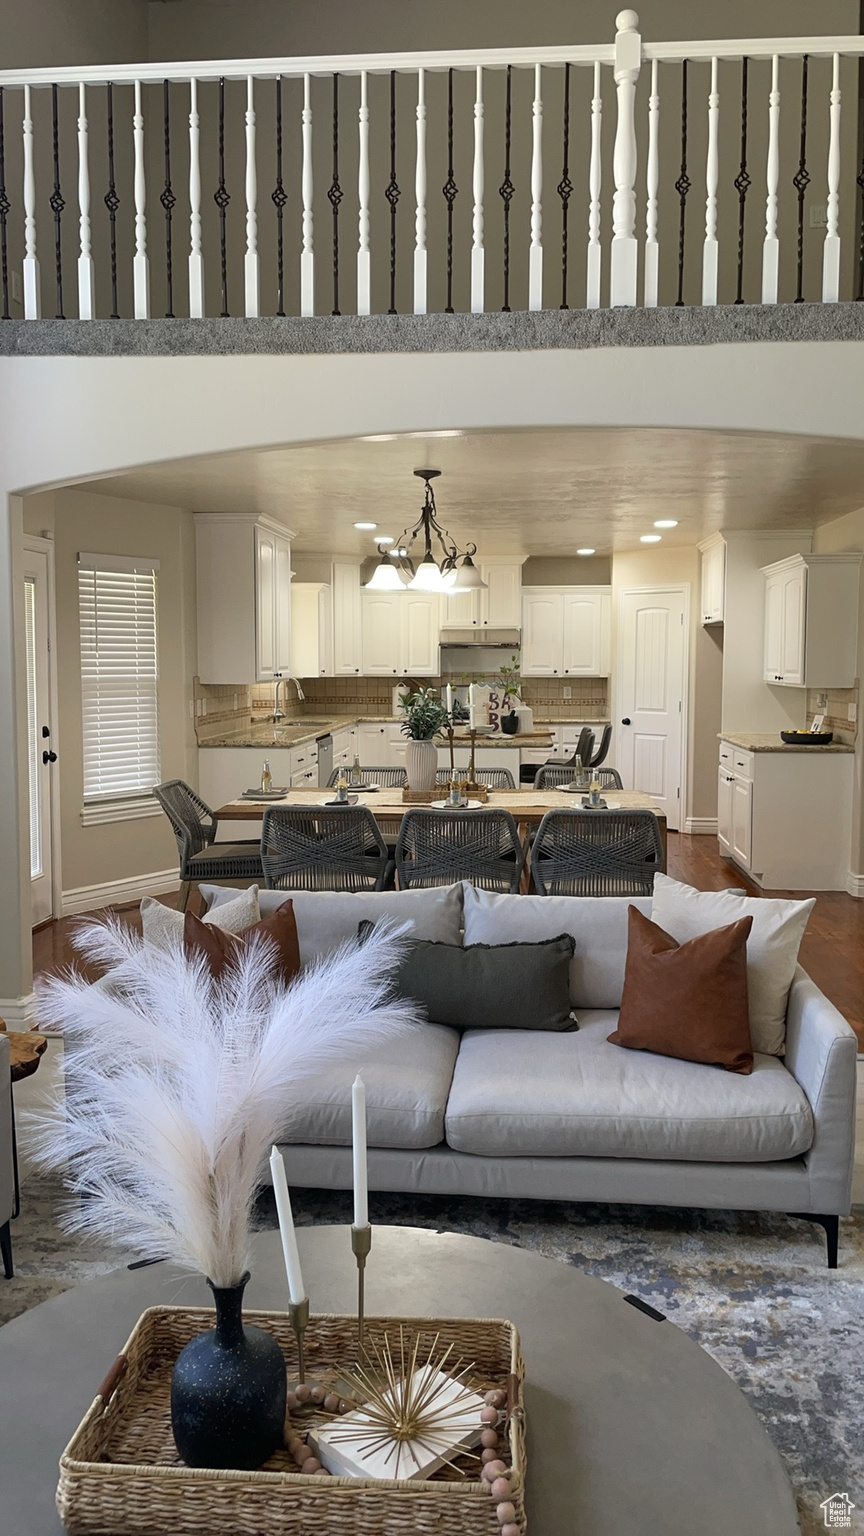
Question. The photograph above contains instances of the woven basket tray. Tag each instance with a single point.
(121, 1473)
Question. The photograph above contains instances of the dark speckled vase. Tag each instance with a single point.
(228, 1391)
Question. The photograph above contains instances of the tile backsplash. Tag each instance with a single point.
(836, 710)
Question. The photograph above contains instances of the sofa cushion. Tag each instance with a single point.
(221, 950)
(326, 919)
(597, 924)
(163, 927)
(517, 1094)
(772, 948)
(407, 1082)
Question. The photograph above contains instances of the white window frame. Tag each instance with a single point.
(98, 809)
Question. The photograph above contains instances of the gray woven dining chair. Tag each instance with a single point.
(441, 847)
(201, 857)
(493, 778)
(602, 752)
(596, 853)
(320, 848)
(553, 778)
(390, 778)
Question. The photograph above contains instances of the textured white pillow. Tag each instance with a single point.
(772, 948)
(163, 926)
(325, 919)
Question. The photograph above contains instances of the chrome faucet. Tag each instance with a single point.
(278, 713)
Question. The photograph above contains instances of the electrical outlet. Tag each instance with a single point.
(566, 693)
(821, 701)
(852, 712)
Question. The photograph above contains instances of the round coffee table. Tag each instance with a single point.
(632, 1427)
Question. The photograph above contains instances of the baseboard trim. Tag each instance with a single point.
(18, 1012)
(89, 898)
(700, 826)
(855, 884)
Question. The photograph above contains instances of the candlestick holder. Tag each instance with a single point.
(450, 734)
(298, 1316)
(361, 1243)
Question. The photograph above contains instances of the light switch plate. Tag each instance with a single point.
(566, 693)
(852, 711)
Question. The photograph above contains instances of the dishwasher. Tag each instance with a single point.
(325, 759)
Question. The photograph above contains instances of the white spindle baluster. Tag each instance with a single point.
(652, 182)
(535, 255)
(709, 248)
(478, 254)
(420, 200)
(196, 259)
(140, 263)
(831, 248)
(307, 256)
(771, 244)
(251, 266)
(592, 298)
(30, 264)
(625, 247)
(364, 274)
(85, 259)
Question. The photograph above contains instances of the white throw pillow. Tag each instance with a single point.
(772, 948)
(163, 926)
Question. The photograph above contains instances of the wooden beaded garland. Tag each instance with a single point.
(506, 1514)
(489, 1438)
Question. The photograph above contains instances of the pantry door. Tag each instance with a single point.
(651, 694)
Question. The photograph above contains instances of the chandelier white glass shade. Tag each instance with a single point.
(442, 567)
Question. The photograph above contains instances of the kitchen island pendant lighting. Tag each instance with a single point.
(385, 577)
(452, 570)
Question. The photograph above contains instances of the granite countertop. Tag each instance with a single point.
(751, 741)
(296, 733)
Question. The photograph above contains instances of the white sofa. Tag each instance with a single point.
(567, 1116)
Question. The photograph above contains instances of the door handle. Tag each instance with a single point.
(626, 720)
(49, 757)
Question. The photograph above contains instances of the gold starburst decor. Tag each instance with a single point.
(416, 1416)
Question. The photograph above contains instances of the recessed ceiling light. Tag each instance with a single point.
(586, 551)
(666, 522)
(384, 540)
(366, 527)
(649, 538)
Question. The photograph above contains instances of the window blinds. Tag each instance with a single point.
(119, 675)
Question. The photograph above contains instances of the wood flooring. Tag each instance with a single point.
(832, 951)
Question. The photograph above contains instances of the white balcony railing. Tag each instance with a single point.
(716, 195)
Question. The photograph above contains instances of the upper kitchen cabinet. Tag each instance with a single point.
(312, 629)
(713, 596)
(243, 565)
(811, 621)
(566, 632)
(347, 619)
(498, 605)
(400, 633)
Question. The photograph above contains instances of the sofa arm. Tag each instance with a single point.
(7, 1184)
(821, 1054)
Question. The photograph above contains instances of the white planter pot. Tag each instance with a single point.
(421, 765)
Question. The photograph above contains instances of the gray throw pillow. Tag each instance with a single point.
(489, 986)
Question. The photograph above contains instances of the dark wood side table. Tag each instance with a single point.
(26, 1051)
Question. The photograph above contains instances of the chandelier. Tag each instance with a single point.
(442, 567)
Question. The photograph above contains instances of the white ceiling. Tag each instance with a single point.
(529, 492)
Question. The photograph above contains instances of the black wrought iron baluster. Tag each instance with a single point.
(450, 191)
(859, 179)
(222, 198)
(57, 204)
(168, 200)
(682, 186)
(801, 181)
(506, 191)
(565, 189)
(5, 205)
(392, 192)
(279, 198)
(742, 185)
(112, 203)
(335, 195)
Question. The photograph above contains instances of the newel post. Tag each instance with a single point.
(628, 60)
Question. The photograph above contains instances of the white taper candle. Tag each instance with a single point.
(472, 706)
(358, 1127)
(296, 1289)
(449, 700)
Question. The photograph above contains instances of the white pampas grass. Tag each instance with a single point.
(176, 1087)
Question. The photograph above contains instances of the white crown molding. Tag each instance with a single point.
(247, 519)
(18, 1012)
(89, 898)
(700, 826)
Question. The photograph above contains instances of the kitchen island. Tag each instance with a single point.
(784, 812)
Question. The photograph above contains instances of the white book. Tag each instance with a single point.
(367, 1453)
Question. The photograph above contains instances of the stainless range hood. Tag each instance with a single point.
(496, 639)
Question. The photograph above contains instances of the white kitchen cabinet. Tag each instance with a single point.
(811, 621)
(486, 757)
(347, 619)
(373, 745)
(725, 781)
(566, 632)
(400, 634)
(713, 585)
(243, 576)
(742, 821)
(498, 605)
(421, 628)
(346, 746)
(311, 629)
(785, 817)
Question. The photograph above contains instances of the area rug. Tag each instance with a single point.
(752, 1289)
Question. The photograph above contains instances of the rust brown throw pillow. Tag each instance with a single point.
(220, 948)
(687, 1000)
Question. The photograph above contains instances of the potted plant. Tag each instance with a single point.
(425, 718)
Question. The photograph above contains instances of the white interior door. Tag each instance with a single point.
(41, 754)
(651, 694)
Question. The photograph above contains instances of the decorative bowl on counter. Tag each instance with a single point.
(807, 738)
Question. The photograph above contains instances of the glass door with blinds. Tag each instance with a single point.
(41, 754)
